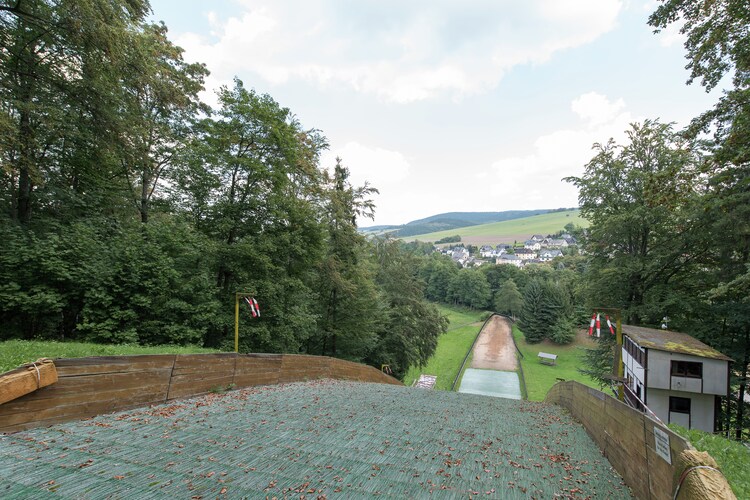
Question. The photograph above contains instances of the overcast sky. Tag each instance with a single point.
(443, 105)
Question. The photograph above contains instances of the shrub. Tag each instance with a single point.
(563, 331)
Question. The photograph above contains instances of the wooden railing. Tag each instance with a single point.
(649, 456)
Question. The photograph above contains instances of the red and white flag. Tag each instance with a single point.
(591, 326)
(251, 304)
(257, 307)
(598, 326)
(609, 324)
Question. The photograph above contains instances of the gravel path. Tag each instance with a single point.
(495, 349)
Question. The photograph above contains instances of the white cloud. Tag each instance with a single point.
(398, 51)
(380, 167)
(596, 108)
(383, 169)
(559, 154)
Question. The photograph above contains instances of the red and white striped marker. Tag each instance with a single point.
(598, 326)
(252, 307)
(609, 324)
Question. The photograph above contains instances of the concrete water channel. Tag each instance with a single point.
(494, 364)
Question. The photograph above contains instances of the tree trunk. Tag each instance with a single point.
(333, 322)
(743, 386)
(25, 159)
(23, 209)
(144, 197)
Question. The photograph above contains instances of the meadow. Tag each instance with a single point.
(14, 353)
(517, 230)
(540, 377)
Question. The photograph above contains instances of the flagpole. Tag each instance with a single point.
(237, 296)
(619, 368)
(237, 322)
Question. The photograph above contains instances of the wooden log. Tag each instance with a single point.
(27, 378)
(698, 476)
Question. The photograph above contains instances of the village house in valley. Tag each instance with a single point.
(536, 250)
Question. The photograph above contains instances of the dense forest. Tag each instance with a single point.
(132, 212)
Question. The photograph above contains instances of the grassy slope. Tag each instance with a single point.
(733, 457)
(540, 377)
(512, 229)
(451, 349)
(14, 353)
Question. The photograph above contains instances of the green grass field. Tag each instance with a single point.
(539, 377)
(14, 353)
(509, 231)
(452, 347)
(733, 457)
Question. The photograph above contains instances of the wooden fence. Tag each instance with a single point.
(650, 465)
(91, 386)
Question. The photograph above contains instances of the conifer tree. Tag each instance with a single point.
(531, 321)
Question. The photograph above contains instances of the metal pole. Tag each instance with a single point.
(618, 370)
(236, 322)
(620, 366)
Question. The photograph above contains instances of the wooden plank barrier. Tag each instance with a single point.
(87, 387)
(628, 440)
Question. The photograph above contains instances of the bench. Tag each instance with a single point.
(547, 359)
(425, 381)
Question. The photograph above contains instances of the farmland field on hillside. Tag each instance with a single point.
(509, 231)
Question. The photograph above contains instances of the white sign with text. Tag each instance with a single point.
(661, 440)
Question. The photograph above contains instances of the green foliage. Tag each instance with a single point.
(530, 320)
(598, 361)
(151, 288)
(449, 239)
(411, 328)
(716, 47)
(733, 457)
(438, 271)
(546, 310)
(562, 331)
(638, 198)
(509, 300)
(133, 213)
(469, 287)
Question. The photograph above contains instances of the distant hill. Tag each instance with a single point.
(451, 220)
(509, 231)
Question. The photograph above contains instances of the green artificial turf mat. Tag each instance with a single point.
(324, 438)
